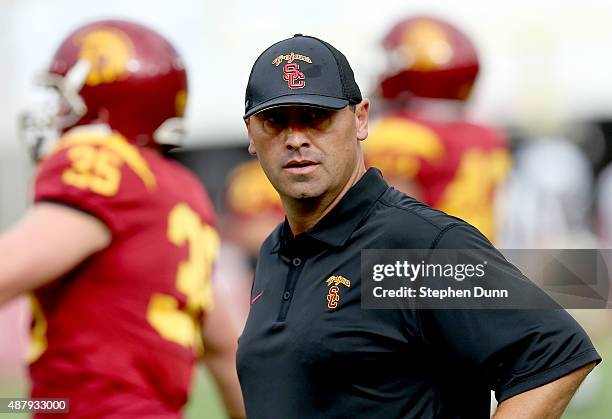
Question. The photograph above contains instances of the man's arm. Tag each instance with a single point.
(545, 402)
(48, 242)
(220, 345)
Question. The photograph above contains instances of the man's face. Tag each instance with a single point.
(308, 152)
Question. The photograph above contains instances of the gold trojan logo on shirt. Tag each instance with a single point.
(333, 296)
(108, 51)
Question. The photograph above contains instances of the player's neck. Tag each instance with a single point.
(303, 214)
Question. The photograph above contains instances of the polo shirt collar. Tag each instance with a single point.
(337, 226)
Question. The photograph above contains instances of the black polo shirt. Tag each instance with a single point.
(304, 354)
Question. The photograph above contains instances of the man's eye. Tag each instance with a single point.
(315, 116)
(312, 116)
(274, 118)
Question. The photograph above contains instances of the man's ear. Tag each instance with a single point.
(252, 150)
(361, 114)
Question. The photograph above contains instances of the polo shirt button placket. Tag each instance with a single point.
(295, 267)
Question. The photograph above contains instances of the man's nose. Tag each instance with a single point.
(296, 136)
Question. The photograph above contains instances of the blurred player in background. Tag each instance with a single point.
(604, 208)
(422, 142)
(548, 198)
(603, 217)
(548, 205)
(119, 245)
(252, 210)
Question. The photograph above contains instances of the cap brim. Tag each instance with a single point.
(310, 100)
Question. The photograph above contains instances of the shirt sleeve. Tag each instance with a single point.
(93, 180)
(512, 350)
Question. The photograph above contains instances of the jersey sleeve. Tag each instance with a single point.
(512, 350)
(93, 179)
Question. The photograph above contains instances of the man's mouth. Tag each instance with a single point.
(300, 166)
(300, 163)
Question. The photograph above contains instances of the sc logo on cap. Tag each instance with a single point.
(293, 76)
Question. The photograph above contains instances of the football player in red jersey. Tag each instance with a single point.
(252, 210)
(423, 143)
(119, 245)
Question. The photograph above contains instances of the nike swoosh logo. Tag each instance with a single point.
(256, 297)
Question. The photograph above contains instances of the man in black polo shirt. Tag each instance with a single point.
(309, 350)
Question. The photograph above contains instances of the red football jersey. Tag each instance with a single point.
(456, 165)
(119, 335)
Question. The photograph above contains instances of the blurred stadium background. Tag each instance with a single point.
(545, 72)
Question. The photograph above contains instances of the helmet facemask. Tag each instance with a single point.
(59, 107)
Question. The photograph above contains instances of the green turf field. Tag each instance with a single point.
(601, 407)
(204, 401)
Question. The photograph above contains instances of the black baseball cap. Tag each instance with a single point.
(302, 70)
